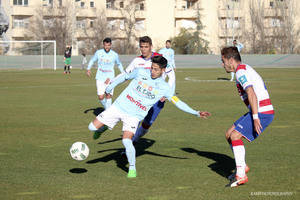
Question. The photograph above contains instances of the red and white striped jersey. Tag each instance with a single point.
(140, 62)
(246, 77)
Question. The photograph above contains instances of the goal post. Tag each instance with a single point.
(28, 54)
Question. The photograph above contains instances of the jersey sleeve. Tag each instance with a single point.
(131, 66)
(244, 79)
(120, 79)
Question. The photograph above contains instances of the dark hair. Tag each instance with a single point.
(145, 39)
(168, 41)
(234, 40)
(160, 60)
(231, 52)
(107, 40)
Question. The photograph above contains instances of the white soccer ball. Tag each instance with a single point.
(79, 151)
(71, 67)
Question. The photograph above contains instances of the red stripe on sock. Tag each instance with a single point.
(237, 143)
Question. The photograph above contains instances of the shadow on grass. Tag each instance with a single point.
(121, 161)
(96, 111)
(78, 170)
(224, 79)
(223, 164)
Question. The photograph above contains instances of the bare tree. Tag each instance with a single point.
(51, 24)
(285, 32)
(94, 33)
(129, 12)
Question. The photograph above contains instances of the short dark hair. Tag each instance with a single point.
(168, 41)
(160, 60)
(234, 40)
(231, 52)
(145, 39)
(107, 40)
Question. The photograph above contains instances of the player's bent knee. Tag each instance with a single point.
(146, 126)
(101, 97)
(235, 135)
(92, 127)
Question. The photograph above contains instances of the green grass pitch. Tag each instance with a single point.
(182, 157)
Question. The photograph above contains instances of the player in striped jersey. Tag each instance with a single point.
(254, 93)
(144, 61)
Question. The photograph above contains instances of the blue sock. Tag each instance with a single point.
(103, 102)
(130, 152)
(140, 132)
(108, 103)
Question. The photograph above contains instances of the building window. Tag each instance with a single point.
(80, 24)
(82, 4)
(275, 22)
(20, 23)
(121, 4)
(47, 2)
(92, 23)
(272, 4)
(20, 2)
(92, 4)
(140, 6)
(60, 3)
(110, 4)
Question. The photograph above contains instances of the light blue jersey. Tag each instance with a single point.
(106, 63)
(168, 53)
(143, 92)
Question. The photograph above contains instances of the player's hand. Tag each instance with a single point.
(204, 114)
(107, 81)
(88, 73)
(257, 126)
(163, 99)
(108, 95)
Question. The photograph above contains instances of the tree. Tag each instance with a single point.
(190, 41)
(129, 12)
(52, 24)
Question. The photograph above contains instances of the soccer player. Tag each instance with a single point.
(145, 89)
(144, 61)
(67, 59)
(106, 58)
(84, 61)
(254, 93)
(168, 53)
(239, 46)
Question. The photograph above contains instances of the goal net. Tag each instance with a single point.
(28, 54)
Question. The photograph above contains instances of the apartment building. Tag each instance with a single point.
(223, 20)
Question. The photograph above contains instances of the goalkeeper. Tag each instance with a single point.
(67, 59)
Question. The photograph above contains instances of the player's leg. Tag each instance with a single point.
(232, 76)
(129, 127)
(105, 120)
(101, 92)
(130, 153)
(148, 120)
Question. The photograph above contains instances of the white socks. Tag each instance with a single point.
(130, 152)
(239, 156)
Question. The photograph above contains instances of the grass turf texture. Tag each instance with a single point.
(183, 157)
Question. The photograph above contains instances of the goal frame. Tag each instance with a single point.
(37, 41)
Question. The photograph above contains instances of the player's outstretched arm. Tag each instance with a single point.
(184, 107)
(120, 79)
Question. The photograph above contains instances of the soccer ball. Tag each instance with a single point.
(71, 67)
(79, 151)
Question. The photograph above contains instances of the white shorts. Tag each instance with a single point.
(101, 86)
(113, 115)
